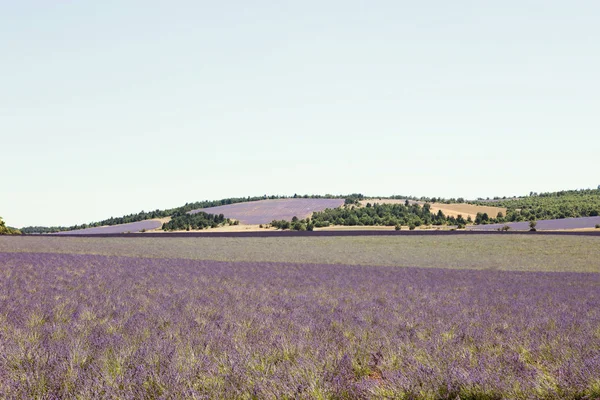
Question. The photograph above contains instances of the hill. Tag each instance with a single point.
(132, 227)
(449, 209)
(158, 214)
(358, 210)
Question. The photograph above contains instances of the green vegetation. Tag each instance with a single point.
(552, 205)
(200, 220)
(296, 224)
(7, 230)
(384, 215)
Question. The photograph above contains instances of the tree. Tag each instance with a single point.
(5, 230)
(532, 225)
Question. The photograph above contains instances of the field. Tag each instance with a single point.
(265, 211)
(453, 210)
(122, 228)
(549, 225)
(470, 316)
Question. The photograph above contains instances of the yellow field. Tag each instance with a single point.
(453, 210)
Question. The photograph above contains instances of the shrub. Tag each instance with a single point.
(398, 227)
(532, 225)
(597, 226)
(412, 227)
(506, 228)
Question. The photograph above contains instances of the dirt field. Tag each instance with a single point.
(466, 210)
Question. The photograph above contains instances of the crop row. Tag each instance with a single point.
(119, 327)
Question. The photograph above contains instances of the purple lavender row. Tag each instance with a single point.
(550, 224)
(85, 326)
(265, 211)
(123, 228)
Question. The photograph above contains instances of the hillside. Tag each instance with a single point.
(358, 210)
(159, 214)
(551, 205)
(265, 211)
(132, 227)
(449, 209)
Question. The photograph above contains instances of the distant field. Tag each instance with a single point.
(265, 211)
(453, 210)
(544, 225)
(123, 228)
(505, 252)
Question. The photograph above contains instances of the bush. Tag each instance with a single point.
(597, 226)
(532, 225)
(398, 227)
(412, 227)
(506, 228)
(260, 226)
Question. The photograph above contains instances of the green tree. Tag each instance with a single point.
(532, 225)
(5, 230)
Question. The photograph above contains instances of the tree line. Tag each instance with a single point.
(398, 215)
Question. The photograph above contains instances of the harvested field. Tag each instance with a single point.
(453, 210)
(265, 211)
(123, 228)
(545, 225)
(466, 210)
(153, 326)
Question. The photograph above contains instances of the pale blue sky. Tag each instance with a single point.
(111, 107)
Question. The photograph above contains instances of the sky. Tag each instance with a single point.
(113, 107)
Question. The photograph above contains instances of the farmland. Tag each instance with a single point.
(550, 224)
(122, 228)
(479, 316)
(452, 209)
(265, 211)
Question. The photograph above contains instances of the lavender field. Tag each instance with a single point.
(152, 325)
(549, 224)
(122, 228)
(265, 211)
